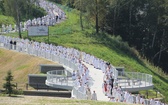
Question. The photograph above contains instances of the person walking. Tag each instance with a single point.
(94, 96)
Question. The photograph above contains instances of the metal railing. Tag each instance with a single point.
(41, 53)
(78, 94)
(115, 73)
(134, 80)
(59, 77)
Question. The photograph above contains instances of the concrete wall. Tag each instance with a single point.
(37, 81)
(45, 68)
(66, 94)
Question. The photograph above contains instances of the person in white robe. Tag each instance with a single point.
(157, 102)
(130, 98)
(142, 100)
(74, 75)
(94, 96)
(89, 94)
(138, 99)
(126, 95)
(152, 101)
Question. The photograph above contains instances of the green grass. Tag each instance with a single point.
(6, 20)
(37, 100)
(104, 46)
(22, 67)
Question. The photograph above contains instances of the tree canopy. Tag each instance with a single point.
(21, 10)
(142, 23)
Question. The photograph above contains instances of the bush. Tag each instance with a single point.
(17, 91)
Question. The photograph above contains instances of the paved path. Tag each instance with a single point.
(96, 82)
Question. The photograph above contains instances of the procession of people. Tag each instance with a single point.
(81, 75)
(54, 15)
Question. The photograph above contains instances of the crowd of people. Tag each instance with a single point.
(116, 94)
(54, 15)
(80, 76)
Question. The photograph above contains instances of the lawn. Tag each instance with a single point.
(38, 100)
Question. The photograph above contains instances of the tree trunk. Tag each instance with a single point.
(153, 41)
(160, 54)
(18, 23)
(81, 22)
(97, 21)
(130, 18)
(81, 10)
(18, 19)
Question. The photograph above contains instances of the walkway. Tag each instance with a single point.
(96, 82)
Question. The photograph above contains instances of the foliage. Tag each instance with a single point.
(143, 24)
(17, 92)
(8, 85)
(6, 20)
(1, 7)
(22, 10)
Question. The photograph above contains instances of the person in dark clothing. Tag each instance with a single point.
(14, 43)
(111, 83)
(11, 43)
(56, 18)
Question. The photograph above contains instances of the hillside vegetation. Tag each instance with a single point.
(20, 65)
(109, 48)
(6, 20)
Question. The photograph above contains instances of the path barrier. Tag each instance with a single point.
(59, 77)
(134, 79)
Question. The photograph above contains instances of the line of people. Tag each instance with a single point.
(54, 15)
(117, 94)
(81, 75)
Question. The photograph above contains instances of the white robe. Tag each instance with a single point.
(152, 102)
(94, 96)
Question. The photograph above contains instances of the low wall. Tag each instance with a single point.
(66, 94)
(37, 81)
(44, 68)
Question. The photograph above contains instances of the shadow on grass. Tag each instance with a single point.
(16, 96)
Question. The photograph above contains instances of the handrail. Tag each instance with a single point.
(59, 77)
(134, 80)
(78, 94)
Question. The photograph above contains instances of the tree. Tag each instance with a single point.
(8, 85)
(96, 10)
(20, 9)
(81, 6)
(13, 8)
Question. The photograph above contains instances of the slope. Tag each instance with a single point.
(20, 65)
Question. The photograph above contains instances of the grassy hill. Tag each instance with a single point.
(104, 46)
(20, 65)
